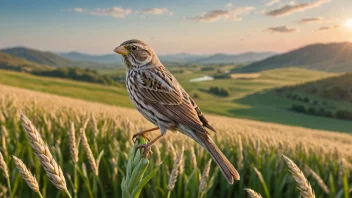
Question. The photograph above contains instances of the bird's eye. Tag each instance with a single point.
(134, 47)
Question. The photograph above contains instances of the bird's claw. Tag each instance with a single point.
(147, 149)
(135, 137)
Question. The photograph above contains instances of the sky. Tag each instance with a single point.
(197, 27)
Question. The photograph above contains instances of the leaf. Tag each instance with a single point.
(86, 181)
(138, 189)
(99, 158)
(125, 193)
(137, 174)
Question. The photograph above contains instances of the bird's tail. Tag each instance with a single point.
(227, 169)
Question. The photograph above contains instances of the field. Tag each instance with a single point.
(324, 157)
(249, 98)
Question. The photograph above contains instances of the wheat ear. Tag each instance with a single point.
(44, 156)
(3, 166)
(319, 180)
(26, 174)
(73, 147)
(89, 152)
(302, 183)
(175, 170)
(252, 193)
(203, 180)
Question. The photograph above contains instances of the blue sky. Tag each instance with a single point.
(208, 26)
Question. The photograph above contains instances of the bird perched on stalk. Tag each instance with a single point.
(160, 98)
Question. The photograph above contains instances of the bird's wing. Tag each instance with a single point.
(159, 87)
(201, 116)
(156, 85)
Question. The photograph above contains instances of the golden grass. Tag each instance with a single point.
(246, 143)
(272, 134)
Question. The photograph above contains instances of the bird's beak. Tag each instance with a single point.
(121, 50)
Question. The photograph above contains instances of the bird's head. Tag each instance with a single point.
(136, 53)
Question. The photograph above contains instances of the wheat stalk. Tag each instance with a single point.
(319, 180)
(73, 147)
(44, 156)
(266, 190)
(3, 166)
(4, 131)
(252, 193)
(2, 117)
(203, 180)
(239, 153)
(193, 158)
(74, 156)
(175, 171)
(89, 152)
(26, 175)
(95, 125)
(302, 183)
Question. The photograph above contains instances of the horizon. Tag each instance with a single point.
(172, 28)
(204, 54)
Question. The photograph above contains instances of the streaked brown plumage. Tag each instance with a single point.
(160, 98)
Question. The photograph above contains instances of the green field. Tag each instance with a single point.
(249, 98)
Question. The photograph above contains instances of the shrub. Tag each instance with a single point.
(344, 115)
(218, 91)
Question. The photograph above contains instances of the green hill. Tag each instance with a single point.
(332, 57)
(51, 59)
(10, 62)
(248, 97)
(334, 88)
(14, 63)
(45, 58)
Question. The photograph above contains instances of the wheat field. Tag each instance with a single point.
(318, 162)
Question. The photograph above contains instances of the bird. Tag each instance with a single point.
(161, 99)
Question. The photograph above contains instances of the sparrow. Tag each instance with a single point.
(160, 98)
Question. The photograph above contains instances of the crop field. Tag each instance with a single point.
(248, 98)
(256, 149)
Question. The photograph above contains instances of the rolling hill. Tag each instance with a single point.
(334, 88)
(235, 58)
(332, 57)
(36, 56)
(14, 63)
(243, 101)
(52, 59)
(10, 62)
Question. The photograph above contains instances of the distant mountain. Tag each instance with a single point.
(332, 57)
(181, 57)
(235, 58)
(36, 56)
(51, 59)
(175, 58)
(10, 62)
(106, 58)
(114, 58)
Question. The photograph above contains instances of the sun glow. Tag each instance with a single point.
(348, 24)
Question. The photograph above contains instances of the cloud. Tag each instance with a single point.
(272, 2)
(229, 5)
(292, 8)
(231, 14)
(78, 10)
(116, 12)
(328, 28)
(311, 20)
(156, 11)
(281, 29)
